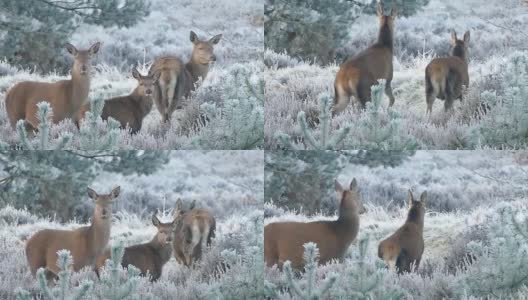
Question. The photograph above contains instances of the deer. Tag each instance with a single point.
(284, 240)
(195, 229)
(149, 257)
(359, 73)
(403, 250)
(132, 109)
(85, 243)
(444, 77)
(66, 97)
(177, 79)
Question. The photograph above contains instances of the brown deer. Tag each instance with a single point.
(85, 244)
(403, 249)
(444, 77)
(195, 228)
(357, 74)
(132, 109)
(284, 240)
(66, 97)
(149, 257)
(177, 79)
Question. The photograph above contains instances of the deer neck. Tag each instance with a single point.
(415, 217)
(164, 250)
(80, 88)
(99, 233)
(144, 103)
(460, 53)
(347, 224)
(385, 36)
(197, 70)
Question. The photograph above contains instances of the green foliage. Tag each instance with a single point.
(306, 287)
(55, 182)
(501, 266)
(380, 131)
(314, 29)
(239, 123)
(62, 290)
(506, 124)
(44, 115)
(304, 180)
(243, 280)
(326, 142)
(33, 32)
(96, 134)
(114, 286)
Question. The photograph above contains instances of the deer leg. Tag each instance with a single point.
(342, 98)
(363, 95)
(388, 92)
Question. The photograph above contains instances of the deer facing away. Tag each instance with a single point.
(403, 249)
(284, 240)
(195, 228)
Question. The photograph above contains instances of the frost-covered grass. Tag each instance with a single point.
(497, 42)
(164, 31)
(228, 183)
(440, 275)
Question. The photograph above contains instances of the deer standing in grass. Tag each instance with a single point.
(149, 257)
(85, 244)
(195, 228)
(284, 240)
(357, 74)
(132, 109)
(66, 97)
(177, 79)
(403, 249)
(444, 77)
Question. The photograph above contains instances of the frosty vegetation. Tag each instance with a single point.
(476, 231)
(226, 112)
(231, 269)
(493, 113)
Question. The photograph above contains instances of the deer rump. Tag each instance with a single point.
(193, 235)
(403, 249)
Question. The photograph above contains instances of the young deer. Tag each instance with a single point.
(403, 249)
(444, 77)
(85, 244)
(148, 257)
(195, 228)
(284, 240)
(66, 97)
(357, 74)
(178, 79)
(131, 109)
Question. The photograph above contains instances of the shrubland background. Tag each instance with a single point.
(228, 183)
(299, 72)
(134, 33)
(476, 223)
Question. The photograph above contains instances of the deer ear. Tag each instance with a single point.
(155, 221)
(71, 49)
(193, 37)
(95, 48)
(411, 198)
(379, 9)
(338, 187)
(353, 185)
(156, 76)
(135, 74)
(192, 204)
(215, 39)
(453, 37)
(423, 197)
(393, 13)
(92, 194)
(115, 192)
(178, 209)
(466, 37)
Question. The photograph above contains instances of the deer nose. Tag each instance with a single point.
(84, 68)
(148, 92)
(213, 57)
